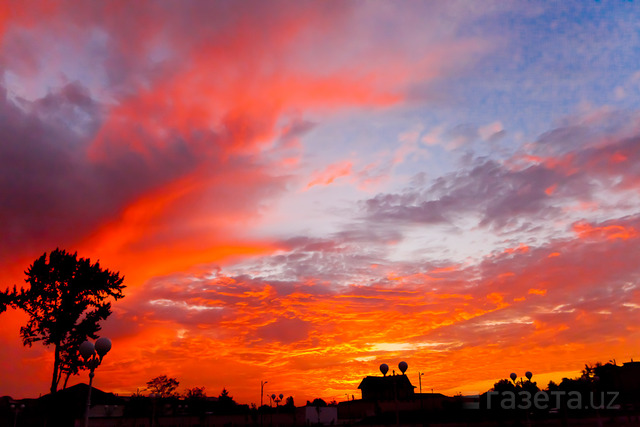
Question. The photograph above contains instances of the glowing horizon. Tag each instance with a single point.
(298, 192)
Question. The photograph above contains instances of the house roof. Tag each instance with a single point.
(78, 393)
(380, 383)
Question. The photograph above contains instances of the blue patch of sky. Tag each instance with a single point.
(551, 63)
(547, 65)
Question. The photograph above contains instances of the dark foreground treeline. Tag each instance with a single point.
(606, 394)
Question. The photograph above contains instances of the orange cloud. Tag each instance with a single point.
(611, 232)
(192, 118)
(522, 248)
(333, 337)
(330, 174)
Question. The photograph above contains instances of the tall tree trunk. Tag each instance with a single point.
(59, 375)
(66, 379)
(56, 366)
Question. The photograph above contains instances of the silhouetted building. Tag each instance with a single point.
(68, 405)
(387, 388)
(624, 379)
(631, 375)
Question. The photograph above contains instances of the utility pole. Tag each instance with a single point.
(420, 374)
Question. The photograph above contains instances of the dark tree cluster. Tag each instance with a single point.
(66, 299)
(163, 386)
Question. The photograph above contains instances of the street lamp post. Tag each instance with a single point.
(92, 355)
(514, 377)
(277, 399)
(262, 383)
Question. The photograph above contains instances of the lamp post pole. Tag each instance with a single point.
(262, 383)
(92, 355)
(272, 398)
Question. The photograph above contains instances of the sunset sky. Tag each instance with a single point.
(297, 192)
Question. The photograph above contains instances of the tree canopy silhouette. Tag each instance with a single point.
(195, 393)
(163, 386)
(289, 402)
(66, 299)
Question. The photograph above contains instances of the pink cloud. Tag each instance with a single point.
(330, 174)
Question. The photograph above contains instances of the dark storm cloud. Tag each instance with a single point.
(51, 191)
(44, 181)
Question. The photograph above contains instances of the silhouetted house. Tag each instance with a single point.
(67, 406)
(631, 369)
(630, 379)
(624, 379)
(387, 388)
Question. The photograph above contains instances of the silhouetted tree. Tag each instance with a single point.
(162, 386)
(226, 404)
(225, 398)
(65, 301)
(504, 385)
(588, 372)
(289, 402)
(69, 360)
(196, 399)
(317, 402)
(137, 394)
(195, 393)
